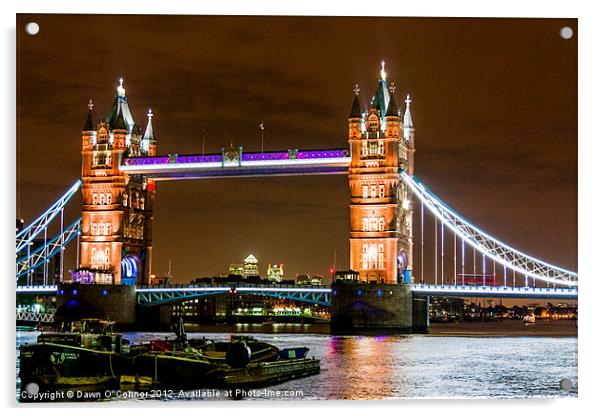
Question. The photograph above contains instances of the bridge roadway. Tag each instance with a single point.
(320, 295)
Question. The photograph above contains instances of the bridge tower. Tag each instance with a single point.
(116, 240)
(380, 244)
(380, 211)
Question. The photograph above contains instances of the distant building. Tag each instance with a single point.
(306, 279)
(275, 272)
(250, 266)
(236, 269)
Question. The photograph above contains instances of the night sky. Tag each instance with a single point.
(494, 106)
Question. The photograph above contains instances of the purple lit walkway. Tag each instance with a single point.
(284, 163)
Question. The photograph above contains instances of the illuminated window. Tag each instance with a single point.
(364, 191)
(364, 149)
(109, 199)
(381, 191)
(100, 258)
(373, 191)
(94, 198)
(94, 230)
(373, 256)
(373, 224)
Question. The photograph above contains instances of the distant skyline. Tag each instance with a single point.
(494, 105)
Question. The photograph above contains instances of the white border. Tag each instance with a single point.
(590, 68)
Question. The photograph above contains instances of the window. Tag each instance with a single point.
(373, 224)
(373, 191)
(381, 191)
(373, 257)
(102, 159)
(94, 198)
(364, 191)
(100, 258)
(109, 199)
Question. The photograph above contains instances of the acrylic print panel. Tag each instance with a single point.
(295, 208)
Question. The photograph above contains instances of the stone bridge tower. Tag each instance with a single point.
(380, 209)
(116, 239)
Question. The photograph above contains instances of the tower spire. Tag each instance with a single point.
(149, 144)
(381, 98)
(148, 133)
(383, 73)
(407, 117)
(392, 110)
(120, 89)
(356, 110)
(89, 124)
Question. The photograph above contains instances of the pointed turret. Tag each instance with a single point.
(392, 118)
(119, 123)
(89, 124)
(89, 132)
(392, 110)
(409, 133)
(148, 133)
(355, 116)
(119, 129)
(407, 117)
(149, 143)
(356, 110)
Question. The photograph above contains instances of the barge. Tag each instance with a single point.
(81, 353)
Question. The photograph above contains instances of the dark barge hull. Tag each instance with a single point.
(185, 372)
(264, 373)
(66, 365)
(168, 369)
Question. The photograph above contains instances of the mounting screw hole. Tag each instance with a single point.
(32, 28)
(566, 32)
(566, 384)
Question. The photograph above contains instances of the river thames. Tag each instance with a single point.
(439, 365)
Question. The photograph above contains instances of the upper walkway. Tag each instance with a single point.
(240, 164)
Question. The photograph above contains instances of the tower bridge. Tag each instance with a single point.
(388, 210)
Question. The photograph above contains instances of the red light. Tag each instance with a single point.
(332, 270)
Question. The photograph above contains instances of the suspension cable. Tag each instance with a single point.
(421, 242)
(436, 254)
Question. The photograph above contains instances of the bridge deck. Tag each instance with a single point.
(321, 294)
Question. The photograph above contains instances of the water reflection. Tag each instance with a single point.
(358, 367)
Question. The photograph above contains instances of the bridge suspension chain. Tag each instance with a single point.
(487, 245)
